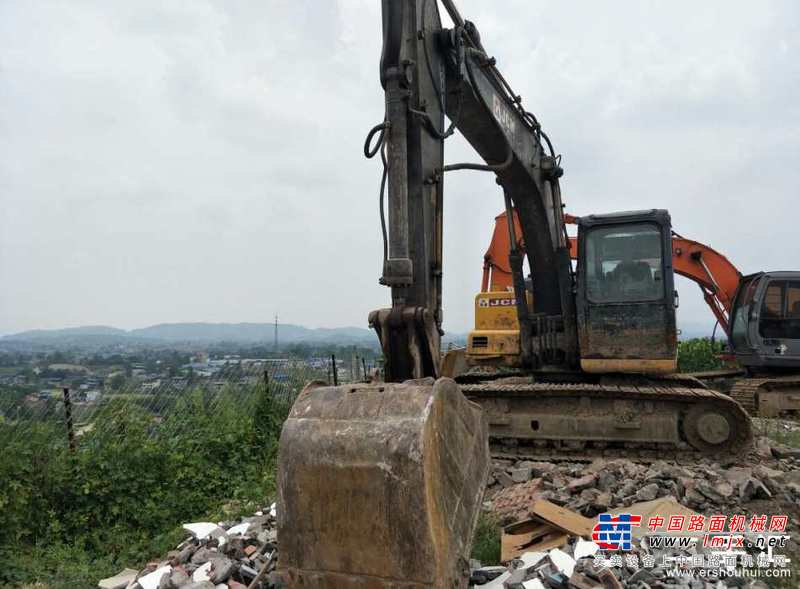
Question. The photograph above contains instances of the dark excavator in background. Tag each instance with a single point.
(380, 484)
(758, 313)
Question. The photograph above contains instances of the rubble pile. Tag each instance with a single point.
(224, 555)
(549, 511)
(772, 473)
(582, 565)
(558, 554)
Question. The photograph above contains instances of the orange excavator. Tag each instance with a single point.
(759, 313)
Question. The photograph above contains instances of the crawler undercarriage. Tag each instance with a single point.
(646, 418)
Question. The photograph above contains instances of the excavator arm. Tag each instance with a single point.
(715, 274)
(428, 72)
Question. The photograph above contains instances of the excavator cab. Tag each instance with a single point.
(625, 301)
(766, 320)
(625, 293)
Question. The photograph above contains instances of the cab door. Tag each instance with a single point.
(776, 320)
(626, 299)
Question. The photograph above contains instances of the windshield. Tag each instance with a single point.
(624, 263)
(780, 310)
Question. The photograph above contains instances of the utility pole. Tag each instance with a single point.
(275, 344)
(68, 419)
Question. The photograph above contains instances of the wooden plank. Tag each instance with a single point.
(562, 518)
(529, 536)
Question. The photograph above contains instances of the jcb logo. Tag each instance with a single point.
(497, 302)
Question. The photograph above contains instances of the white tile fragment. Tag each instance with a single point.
(585, 548)
(563, 561)
(151, 580)
(203, 573)
(202, 530)
(533, 584)
(238, 530)
(530, 559)
(119, 581)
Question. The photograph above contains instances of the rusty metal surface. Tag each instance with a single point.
(410, 342)
(629, 331)
(380, 485)
(768, 397)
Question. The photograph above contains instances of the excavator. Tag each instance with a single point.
(380, 484)
(759, 314)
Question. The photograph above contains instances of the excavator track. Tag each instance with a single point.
(582, 421)
(768, 397)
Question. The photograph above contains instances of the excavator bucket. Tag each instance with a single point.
(380, 485)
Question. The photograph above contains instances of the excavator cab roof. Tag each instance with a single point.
(660, 216)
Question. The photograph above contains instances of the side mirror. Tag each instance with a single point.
(676, 300)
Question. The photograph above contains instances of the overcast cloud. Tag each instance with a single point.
(201, 161)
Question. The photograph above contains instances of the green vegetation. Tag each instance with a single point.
(486, 544)
(70, 518)
(784, 432)
(697, 355)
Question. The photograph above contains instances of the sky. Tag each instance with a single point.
(202, 161)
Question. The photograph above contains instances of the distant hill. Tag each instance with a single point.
(249, 333)
(68, 332)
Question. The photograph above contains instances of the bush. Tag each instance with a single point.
(696, 355)
(70, 518)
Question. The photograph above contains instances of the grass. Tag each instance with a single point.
(775, 430)
(486, 544)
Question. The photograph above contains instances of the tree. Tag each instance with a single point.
(116, 381)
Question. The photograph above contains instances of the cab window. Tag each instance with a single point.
(624, 263)
(741, 315)
(780, 310)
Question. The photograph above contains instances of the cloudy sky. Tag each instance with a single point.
(201, 161)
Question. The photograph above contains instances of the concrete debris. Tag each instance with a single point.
(648, 492)
(571, 567)
(561, 501)
(224, 555)
(604, 485)
(513, 503)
